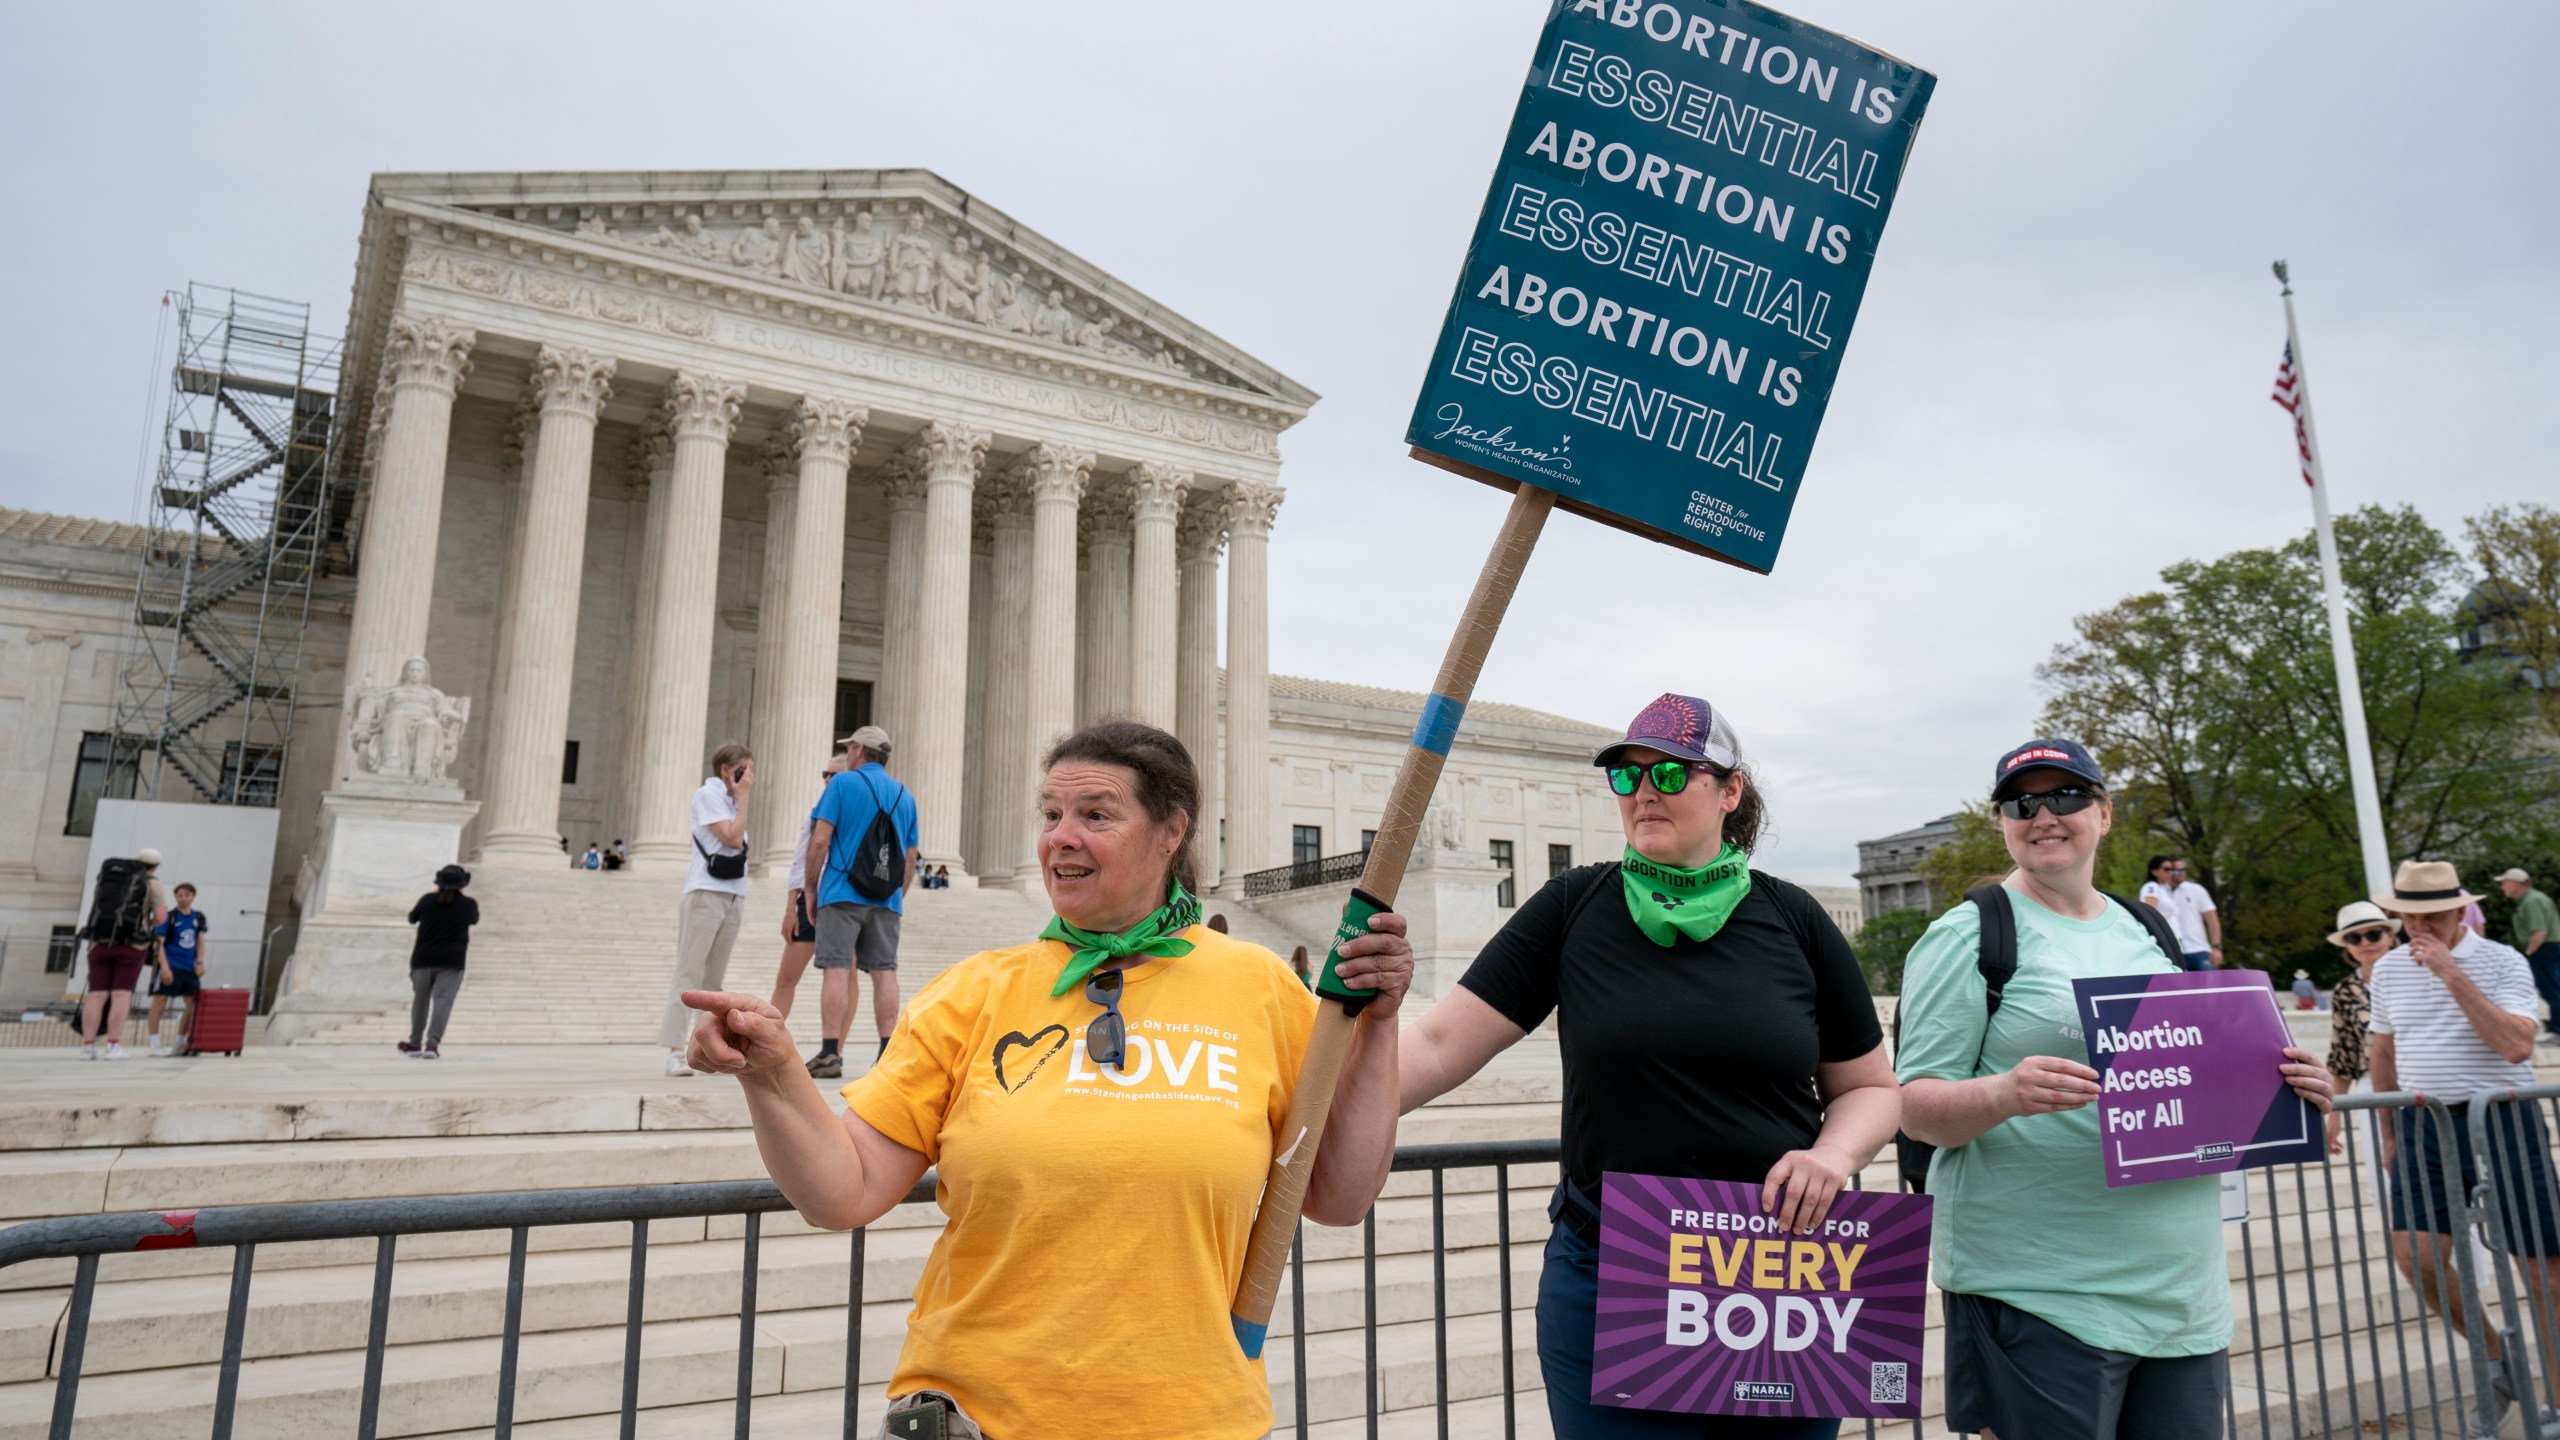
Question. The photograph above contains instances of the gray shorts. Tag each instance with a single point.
(862, 936)
(2027, 1379)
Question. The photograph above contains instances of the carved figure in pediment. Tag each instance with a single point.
(911, 265)
(693, 240)
(1096, 335)
(1012, 315)
(758, 247)
(594, 225)
(1055, 321)
(806, 256)
(861, 258)
(952, 282)
(408, 731)
(1166, 356)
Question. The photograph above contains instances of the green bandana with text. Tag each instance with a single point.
(1668, 902)
(1158, 934)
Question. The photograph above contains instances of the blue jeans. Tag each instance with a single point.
(2197, 960)
(2546, 980)
(1568, 1298)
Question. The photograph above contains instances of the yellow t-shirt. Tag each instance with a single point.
(1098, 1219)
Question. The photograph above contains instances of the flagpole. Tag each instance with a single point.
(2342, 645)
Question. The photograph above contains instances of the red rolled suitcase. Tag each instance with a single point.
(222, 1022)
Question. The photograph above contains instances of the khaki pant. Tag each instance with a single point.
(706, 927)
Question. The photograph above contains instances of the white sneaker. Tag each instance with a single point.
(159, 1047)
(115, 1051)
(88, 1051)
(676, 1065)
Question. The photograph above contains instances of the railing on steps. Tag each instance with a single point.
(1302, 874)
(2373, 1354)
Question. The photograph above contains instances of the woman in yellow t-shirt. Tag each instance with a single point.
(1101, 1105)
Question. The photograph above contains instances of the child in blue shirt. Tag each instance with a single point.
(181, 938)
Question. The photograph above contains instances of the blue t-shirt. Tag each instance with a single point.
(849, 802)
(178, 933)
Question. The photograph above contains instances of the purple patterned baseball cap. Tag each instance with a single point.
(1681, 725)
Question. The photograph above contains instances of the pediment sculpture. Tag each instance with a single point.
(408, 731)
(909, 261)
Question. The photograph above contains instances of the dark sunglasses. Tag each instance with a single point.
(2069, 800)
(1106, 1040)
(2367, 937)
(1669, 777)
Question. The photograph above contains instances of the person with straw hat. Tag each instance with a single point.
(2365, 930)
(2454, 1013)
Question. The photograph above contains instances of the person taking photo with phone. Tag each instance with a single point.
(715, 892)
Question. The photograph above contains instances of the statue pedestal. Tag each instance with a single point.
(380, 845)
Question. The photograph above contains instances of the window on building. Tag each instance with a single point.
(1506, 894)
(256, 770)
(1306, 844)
(1368, 841)
(61, 948)
(569, 763)
(1559, 860)
(99, 774)
(853, 708)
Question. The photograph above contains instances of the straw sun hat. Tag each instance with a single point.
(2360, 915)
(2424, 887)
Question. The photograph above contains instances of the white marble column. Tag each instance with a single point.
(702, 410)
(44, 675)
(520, 797)
(424, 360)
(948, 456)
(524, 442)
(1004, 718)
(809, 605)
(901, 608)
(764, 704)
(1103, 681)
(1252, 505)
(652, 465)
(1055, 475)
(1155, 498)
(1197, 540)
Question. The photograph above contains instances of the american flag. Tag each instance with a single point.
(2289, 395)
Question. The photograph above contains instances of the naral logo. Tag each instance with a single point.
(1769, 1391)
(2214, 1152)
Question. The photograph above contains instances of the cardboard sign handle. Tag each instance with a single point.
(1284, 1192)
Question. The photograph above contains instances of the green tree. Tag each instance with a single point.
(1881, 944)
(2213, 704)
(2518, 552)
(1976, 856)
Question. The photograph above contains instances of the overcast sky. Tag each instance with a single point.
(2058, 383)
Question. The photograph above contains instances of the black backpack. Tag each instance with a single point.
(120, 911)
(1997, 959)
(876, 867)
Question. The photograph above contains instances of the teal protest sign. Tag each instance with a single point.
(1678, 235)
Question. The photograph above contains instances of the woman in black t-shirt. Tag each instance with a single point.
(1713, 1023)
(444, 917)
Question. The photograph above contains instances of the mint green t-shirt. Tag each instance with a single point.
(2024, 1215)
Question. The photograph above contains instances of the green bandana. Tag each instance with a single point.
(1158, 934)
(1668, 902)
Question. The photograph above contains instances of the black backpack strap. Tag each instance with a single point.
(846, 869)
(1997, 958)
(2158, 924)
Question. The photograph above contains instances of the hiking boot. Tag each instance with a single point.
(827, 1065)
(408, 1047)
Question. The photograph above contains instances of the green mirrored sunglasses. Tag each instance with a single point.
(1670, 777)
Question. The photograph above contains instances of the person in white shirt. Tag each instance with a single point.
(2188, 907)
(2454, 1013)
(800, 910)
(715, 892)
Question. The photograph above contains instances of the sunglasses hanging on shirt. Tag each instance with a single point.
(2068, 800)
(1106, 1040)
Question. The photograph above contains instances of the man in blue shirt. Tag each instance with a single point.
(181, 939)
(859, 930)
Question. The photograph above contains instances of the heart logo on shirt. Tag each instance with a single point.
(1057, 1041)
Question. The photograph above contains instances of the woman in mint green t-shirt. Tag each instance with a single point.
(2072, 1309)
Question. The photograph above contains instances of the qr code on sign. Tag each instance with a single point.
(1886, 1382)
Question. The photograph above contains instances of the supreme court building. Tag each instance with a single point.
(647, 462)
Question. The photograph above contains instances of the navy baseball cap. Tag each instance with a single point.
(2068, 756)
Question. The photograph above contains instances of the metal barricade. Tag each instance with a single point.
(2332, 1337)
(2518, 1198)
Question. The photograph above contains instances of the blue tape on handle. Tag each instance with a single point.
(1248, 1335)
(1438, 727)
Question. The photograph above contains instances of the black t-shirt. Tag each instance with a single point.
(444, 931)
(1694, 1059)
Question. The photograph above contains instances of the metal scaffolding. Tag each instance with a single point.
(240, 509)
